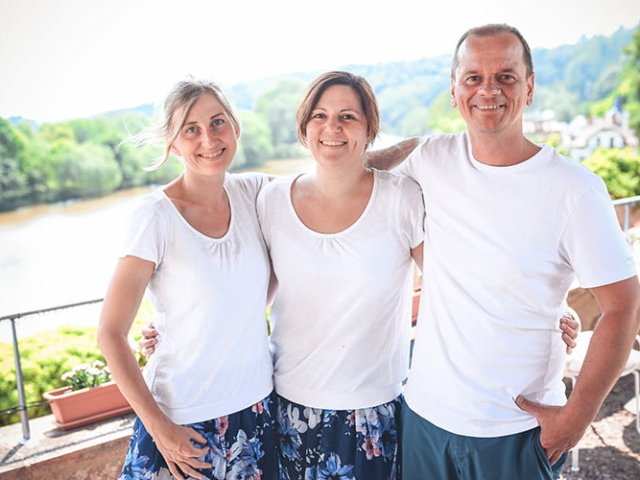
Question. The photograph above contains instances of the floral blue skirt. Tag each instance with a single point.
(242, 447)
(315, 444)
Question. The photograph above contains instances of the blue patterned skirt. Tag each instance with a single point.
(315, 444)
(242, 446)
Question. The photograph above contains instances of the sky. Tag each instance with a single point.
(64, 59)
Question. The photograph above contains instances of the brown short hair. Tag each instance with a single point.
(490, 30)
(359, 85)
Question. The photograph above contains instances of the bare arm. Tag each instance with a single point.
(390, 157)
(118, 312)
(563, 427)
(417, 254)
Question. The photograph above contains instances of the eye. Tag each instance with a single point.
(318, 115)
(191, 129)
(506, 78)
(473, 79)
(349, 116)
(218, 122)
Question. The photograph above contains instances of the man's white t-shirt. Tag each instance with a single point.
(502, 247)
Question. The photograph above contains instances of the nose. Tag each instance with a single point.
(207, 138)
(490, 86)
(333, 123)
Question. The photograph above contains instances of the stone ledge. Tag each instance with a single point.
(95, 451)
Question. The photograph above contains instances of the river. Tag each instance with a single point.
(52, 255)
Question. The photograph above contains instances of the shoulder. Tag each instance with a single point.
(572, 172)
(152, 202)
(444, 141)
(395, 180)
(278, 185)
(247, 182)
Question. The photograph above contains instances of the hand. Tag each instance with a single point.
(148, 341)
(560, 430)
(570, 330)
(176, 444)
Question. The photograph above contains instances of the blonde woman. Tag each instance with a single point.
(195, 247)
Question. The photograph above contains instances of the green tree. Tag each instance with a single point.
(82, 171)
(630, 87)
(619, 168)
(255, 144)
(279, 106)
(443, 117)
(13, 183)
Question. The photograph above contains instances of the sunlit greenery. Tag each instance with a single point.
(46, 357)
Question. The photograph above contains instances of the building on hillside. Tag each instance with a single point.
(609, 132)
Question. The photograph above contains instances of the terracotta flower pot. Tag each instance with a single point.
(75, 408)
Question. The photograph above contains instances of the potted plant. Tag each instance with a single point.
(90, 396)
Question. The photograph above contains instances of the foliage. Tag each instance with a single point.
(620, 170)
(630, 87)
(278, 107)
(46, 357)
(87, 375)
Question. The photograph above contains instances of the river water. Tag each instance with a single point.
(53, 255)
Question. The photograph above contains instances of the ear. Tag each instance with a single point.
(454, 102)
(175, 150)
(530, 88)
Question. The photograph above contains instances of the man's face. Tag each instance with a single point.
(491, 87)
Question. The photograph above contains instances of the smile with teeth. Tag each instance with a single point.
(212, 155)
(328, 143)
(488, 107)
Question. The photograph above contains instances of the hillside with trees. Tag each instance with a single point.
(90, 157)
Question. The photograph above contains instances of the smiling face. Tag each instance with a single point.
(337, 129)
(207, 140)
(491, 88)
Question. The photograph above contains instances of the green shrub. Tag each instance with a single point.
(45, 358)
(620, 170)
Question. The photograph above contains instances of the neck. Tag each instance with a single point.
(502, 152)
(336, 183)
(207, 191)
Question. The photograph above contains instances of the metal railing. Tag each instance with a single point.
(22, 399)
(626, 203)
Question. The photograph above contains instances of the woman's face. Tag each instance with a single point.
(207, 140)
(338, 130)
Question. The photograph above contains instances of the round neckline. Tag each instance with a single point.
(347, 230)
(528, 163)
(195, 230)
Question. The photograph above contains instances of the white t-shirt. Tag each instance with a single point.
(209, 298)
(502, 247)
(342, 313)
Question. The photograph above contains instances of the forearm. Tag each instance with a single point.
(127, 374)
(606, 357)
(609, 348)
(390, 157)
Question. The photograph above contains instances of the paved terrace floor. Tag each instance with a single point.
(93, 452)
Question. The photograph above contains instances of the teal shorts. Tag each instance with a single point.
(431, 453)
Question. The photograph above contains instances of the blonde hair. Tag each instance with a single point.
(180, 99)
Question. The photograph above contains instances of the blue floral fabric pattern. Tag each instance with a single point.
(315, 444)
(242, 447)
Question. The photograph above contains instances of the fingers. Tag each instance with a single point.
(554, 457)
(188, 467)
(570, 326)
(570, 330)
(147, 346)
(571, 343)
